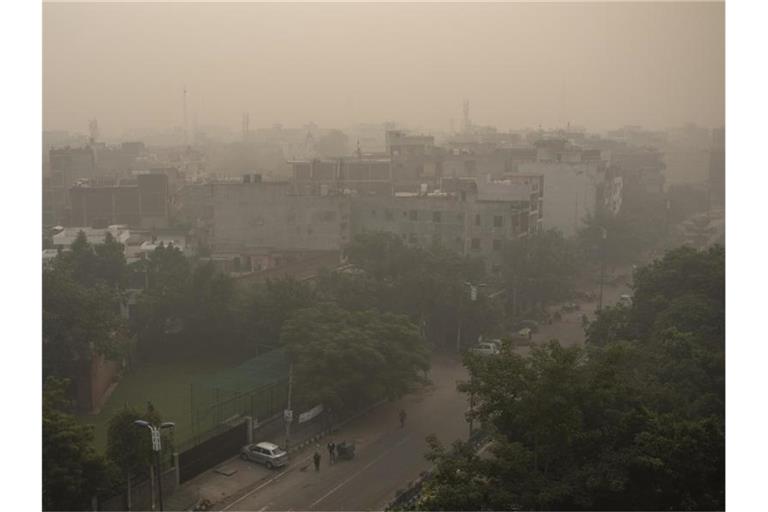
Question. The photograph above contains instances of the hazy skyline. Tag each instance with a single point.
(599, 65)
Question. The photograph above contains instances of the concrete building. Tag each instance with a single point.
(66, 166)
(142, 201)
(468, 216)
(362, 175)
(572, 192)
(414, 159)
(251, 217)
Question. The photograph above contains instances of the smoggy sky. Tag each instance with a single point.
(599, 65)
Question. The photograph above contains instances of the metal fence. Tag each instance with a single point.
(257, 388)
(216, 449)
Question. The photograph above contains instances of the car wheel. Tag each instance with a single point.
(269, 465)
(243, 456)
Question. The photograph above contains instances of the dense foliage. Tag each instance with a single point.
(73, 472)
(81, 308)
(347, 359)
(186, 308)
(539, 269)
(636, 420)
(430, 286)
(130, 446)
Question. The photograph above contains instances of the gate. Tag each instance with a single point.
(212, 451)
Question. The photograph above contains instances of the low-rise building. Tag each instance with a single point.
(142, 201)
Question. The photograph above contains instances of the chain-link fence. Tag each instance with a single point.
(257, 388)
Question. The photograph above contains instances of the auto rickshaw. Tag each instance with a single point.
(346, 450)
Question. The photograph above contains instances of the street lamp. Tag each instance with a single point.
(156, 447)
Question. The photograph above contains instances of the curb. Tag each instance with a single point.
(315, 438)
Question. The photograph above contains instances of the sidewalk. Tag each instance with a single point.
(234, 477)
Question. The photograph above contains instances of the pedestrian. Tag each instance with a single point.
(332, 452)
(402, 418)
(316, 459)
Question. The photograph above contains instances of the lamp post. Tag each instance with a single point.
(157, 447)
(604, 237)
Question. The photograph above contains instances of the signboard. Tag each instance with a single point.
(306, 416)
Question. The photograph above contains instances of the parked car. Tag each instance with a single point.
(626, 300)
(269, 454)
(485, 348)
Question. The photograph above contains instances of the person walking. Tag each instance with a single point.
(332, 452)
(402, 418)
(316, 459)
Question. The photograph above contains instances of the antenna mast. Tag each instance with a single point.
(184, 102)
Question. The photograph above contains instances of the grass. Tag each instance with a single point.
(166, 385)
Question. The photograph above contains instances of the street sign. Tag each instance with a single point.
(288, 415)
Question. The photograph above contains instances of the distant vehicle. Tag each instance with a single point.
(525, 332)
(625, 299)
(269, 454)
(570, 306)
(485, 348)
(533, 325)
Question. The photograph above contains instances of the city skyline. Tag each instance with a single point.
(594, 65)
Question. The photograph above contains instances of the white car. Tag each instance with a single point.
(626, 300)
(485, 348)
(269, 454)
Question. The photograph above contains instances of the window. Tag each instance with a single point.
(475, 244)
(498, 221)
(496, 244)
(436, 217)
(413, 215)
(477, 219)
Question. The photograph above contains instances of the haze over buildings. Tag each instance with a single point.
(599, 65)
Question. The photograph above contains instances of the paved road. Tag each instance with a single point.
(388, 457)
(569, 330)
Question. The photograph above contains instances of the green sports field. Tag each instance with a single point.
(166, 385)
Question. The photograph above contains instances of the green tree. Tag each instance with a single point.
(129, 446)
(78, 321)
(634, 421)
(347, 359)
(73, 472)
(539, 269)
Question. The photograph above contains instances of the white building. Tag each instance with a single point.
(571, 192)
(64, 238)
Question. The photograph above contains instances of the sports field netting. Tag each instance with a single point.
(257, 388)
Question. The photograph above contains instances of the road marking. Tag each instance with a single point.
(273, 479)
(345, 482)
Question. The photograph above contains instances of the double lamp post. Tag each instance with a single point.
(156, 448)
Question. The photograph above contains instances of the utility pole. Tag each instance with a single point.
(288, 413)
(604, 237)
(472, 297)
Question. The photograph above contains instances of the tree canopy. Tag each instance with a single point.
(346, 359)
(633, 421)
(73, 472)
